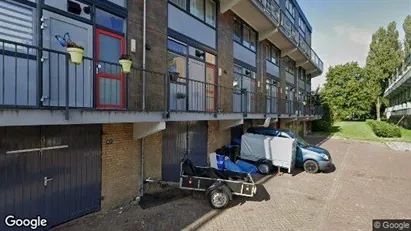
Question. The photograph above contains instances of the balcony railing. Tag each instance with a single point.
(291, 31)
(316, 60)
(272, 8)
(39, 78)
(401, 73)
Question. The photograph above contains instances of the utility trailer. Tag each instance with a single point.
(218, 185)
(268, 151)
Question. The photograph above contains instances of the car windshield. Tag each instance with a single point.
(300, 140)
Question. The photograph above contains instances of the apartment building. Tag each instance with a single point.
(81, 138)
(398, 94)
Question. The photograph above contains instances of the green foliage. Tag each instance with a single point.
(344, 91)
(407, 29)
(384, 129)
(384, 56)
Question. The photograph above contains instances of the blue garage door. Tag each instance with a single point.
(180, 138)
(52, 171)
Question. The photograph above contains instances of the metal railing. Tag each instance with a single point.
(40, 78)
(400, 72)
(272, 8)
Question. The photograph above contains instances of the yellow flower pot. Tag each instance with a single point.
(76, 54)
(125, 65)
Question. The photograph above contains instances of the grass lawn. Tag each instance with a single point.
(359, 130)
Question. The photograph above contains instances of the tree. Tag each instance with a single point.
(344, 91)
(407, 29)
(384, 56)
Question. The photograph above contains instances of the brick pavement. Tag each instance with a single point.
(370, 181)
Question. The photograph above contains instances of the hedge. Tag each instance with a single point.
(384, 129)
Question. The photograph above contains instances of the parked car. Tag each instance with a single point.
(309, 157)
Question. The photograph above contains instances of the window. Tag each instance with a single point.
(237, 31)
(176, 46)
(210, 58)
(197, 8)
(275, 54)
(249, 38)
(272, 54)
(177, 63)
(176, 59)
(180, 3)
(211, 12)
(290, 7)
(110, 21)
(17, 23)
(119, 2)
(290, 65)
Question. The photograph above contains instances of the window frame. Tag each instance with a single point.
(187, 55)
(291, 8)
(269, 56)
(203, 19)
(243, 25)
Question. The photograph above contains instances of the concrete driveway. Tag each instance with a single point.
(371, 181)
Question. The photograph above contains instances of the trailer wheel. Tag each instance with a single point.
(218, 198)
(263, 167)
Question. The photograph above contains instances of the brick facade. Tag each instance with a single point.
(216, 137)
(156, 56)
(225, 59)
(121, 163)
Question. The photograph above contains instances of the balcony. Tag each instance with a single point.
(273, 24)
(41, 86)
(401, 80)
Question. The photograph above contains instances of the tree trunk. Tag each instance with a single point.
(377, 108)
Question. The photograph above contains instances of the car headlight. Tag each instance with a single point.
(325, 156)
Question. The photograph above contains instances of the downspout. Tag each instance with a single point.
(144, 53)
(144, 93)
(142, 167)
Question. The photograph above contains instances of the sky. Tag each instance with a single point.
(342, 29)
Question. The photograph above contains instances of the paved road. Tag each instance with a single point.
(371, 181)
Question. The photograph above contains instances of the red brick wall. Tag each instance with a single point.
(217, 138)
(120, 165)
(121, 168)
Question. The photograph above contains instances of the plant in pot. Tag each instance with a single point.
(174, 75)
(125, 62)
(76, 52)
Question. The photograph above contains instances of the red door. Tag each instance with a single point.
(110, 82)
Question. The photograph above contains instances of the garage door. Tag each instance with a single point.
(52, 171)
(180, 138)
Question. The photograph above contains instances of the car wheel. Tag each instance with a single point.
(264, 168)
(311, 166)
(218, 198)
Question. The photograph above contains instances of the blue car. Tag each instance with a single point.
(309, 157)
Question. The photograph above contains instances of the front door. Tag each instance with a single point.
(110, 83)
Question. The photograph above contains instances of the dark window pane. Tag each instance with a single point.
(177, 47)
(110, 21)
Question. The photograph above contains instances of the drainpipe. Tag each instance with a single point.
(144, 93)
(144, 52)
(142, 167)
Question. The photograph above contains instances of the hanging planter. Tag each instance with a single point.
(76, 52)
(173, 76)
(125, 62)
